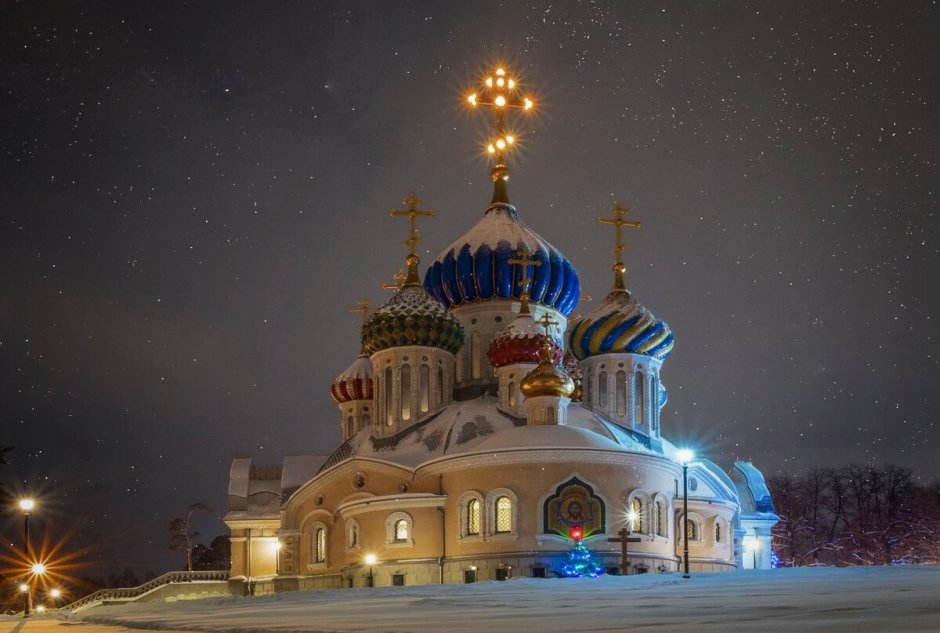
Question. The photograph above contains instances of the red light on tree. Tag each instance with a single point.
(576, 533)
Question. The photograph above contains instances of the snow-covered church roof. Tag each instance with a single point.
(477, 425)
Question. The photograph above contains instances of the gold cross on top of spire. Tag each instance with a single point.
(500, 93)
(363, 308)
(412, 213)
(398, 281)
(526, 281)
(619, 267)
(547, 323)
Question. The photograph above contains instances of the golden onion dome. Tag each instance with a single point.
(546, 379)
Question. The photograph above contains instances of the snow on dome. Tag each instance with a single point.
(547, 436)
(520, 342)
(620, 324)
(411, 317)
(475, 267)
(355, 383)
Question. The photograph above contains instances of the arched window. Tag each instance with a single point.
(473, 517)
(638, 398)
(389, 401)
(588, 387)
(402, 532)
(512, 394)
(439, 388)
(636, 513)
(366, 420)
(350, 428)
(717, 531)
(654, 399)
(319, 545)
(424, 386)
(503, 522)
(602, 389)
(621, 393)
(405, 393)
(476, 362)
(399, 529)
(691, 529)
(550, 415)
(660, 518)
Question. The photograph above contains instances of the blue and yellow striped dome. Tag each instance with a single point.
(620, 324)
(476, 267)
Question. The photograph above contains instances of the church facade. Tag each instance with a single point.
(484, 428)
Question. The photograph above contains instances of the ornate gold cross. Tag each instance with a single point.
(412, 213)
(525, 262)
(399, 281)
(363, 308)
(618, 222)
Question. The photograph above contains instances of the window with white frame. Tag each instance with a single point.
(501, 507)
(474, 512)
(693, 527)
(470, 506)
(399, 529)
(318, 544)
(659, 518)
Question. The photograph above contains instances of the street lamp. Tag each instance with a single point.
(685, 456)
(26, 505)
(752, 544)
(370, 561)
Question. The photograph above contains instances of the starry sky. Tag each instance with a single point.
(194, 195)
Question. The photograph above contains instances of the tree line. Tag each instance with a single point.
(855, 515)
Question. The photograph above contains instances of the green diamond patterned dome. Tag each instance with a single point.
(412, 317)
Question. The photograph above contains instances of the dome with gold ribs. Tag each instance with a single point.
(520, 342)
(547, 379)
(411, 317)
(620, 324)
(355, 383)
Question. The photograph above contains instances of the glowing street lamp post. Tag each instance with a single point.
(370, 561)
(26, 505)
(685, 456)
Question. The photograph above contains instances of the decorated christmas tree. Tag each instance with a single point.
(579, 561)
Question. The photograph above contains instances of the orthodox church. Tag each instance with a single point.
(485, 430)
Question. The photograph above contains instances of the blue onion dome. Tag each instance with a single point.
(620, 324)
(476, 267)
(412, 317)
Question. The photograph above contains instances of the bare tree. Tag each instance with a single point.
(182, 535)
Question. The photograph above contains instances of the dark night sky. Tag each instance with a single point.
(194, 195)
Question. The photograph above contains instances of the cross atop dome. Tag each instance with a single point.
(500, 92)
(617, 221)
(412, 213)
(524, 261)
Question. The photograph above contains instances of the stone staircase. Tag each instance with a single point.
(175, 585)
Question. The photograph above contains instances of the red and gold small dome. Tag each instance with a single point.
(520, 342)
(355, 383)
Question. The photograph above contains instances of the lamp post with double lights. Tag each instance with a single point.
(26, 505)
(685, 456)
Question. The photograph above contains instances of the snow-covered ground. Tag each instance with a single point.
(822, 599)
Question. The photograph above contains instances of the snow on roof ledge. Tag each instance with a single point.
(547, 436)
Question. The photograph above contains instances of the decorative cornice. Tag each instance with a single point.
(391, 502)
